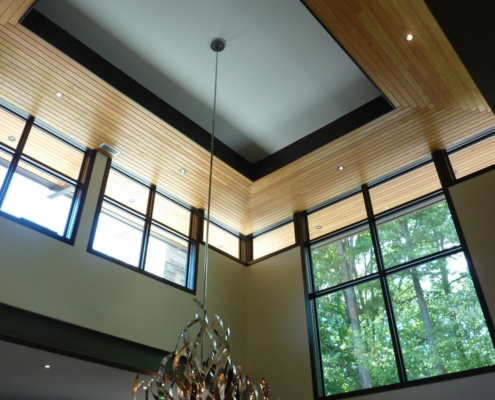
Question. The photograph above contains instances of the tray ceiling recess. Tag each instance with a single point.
(285, 85)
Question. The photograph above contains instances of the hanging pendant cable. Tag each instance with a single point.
(217, 46)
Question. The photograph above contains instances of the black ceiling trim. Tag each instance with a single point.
(340, 127)
(69, 45)
(469, 27)
(38, 331)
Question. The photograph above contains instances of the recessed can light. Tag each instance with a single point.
(11, 138)
(318, 226)
(183, 171)
(409, 37)
(59, 95)
(341, 168)
(47, 366)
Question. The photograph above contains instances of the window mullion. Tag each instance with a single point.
(80, 190)
(15, 159)
(401, 369)
(147, 227)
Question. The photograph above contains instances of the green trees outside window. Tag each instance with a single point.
(420, 271)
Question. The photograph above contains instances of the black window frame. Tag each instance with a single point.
(148, 222)
(381, 274)
(80, 184)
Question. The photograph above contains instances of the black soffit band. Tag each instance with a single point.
(73, 48)
(45, 333)
(469, 27)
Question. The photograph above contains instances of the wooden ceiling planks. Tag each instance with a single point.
(93, 112)
(12, 10)
(437, 105)
(370, 156)
(418, 73)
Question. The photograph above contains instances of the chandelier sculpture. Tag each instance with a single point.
(200, 367)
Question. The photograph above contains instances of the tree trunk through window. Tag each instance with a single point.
(423, 307)
(353, 314)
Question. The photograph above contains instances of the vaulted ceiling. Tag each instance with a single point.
(435, 105)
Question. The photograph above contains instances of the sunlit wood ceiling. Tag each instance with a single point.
(436, 105)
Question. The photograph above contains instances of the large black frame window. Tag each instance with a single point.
(393, 302)
(140, 227)
(42, 175)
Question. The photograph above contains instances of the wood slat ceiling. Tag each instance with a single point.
(437, 105)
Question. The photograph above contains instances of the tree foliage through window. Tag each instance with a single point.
(440, 324)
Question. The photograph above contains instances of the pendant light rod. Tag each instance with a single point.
(217, 45)
(186, 373)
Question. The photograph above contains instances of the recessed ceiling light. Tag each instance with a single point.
(455, 172)
(409, 37)
(341, 168)
(11, 138)
(318, 226)
(131, 201)
(59, 95)
(47, 366)
(183, 171)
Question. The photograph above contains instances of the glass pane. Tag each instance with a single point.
(171, 214)
(127, 191)
(11, 128)
(119, 234)
(40, 198)
(274, 240)
(336, 216)
(473, 158)
(167, 256)
(222, 239)
(53, 152)
(420, 233)
(355, 344)
(405, 188)
(5, 160)
(342, 260)
(440, 322)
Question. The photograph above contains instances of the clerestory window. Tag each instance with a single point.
(140, 227)
(42, 175)
(392, 296)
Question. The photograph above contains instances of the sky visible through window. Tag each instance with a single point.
(35, 202)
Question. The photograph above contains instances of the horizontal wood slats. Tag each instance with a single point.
(420, 73)
(437, 105)
(12, 10)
